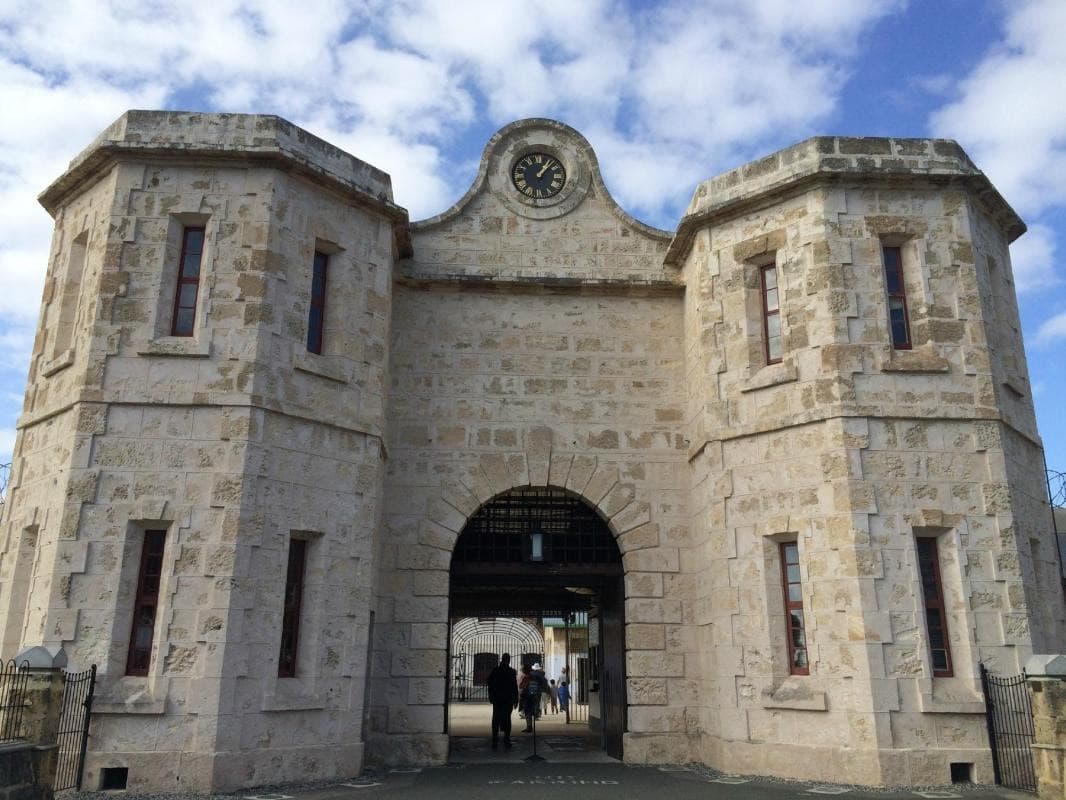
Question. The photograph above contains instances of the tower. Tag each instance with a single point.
(183, 445)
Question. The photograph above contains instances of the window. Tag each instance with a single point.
(771, 314)
(146, 603)
(192, 249)
(290, 615)
(68, 304)
(933, 596)
(316, 317)
(797, 635)
(898, 321)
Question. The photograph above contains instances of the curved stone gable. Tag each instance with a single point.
(494, 233)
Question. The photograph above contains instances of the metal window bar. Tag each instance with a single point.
(574, 533)
(14, 679)
(187, 291)
(933, 597)
(1010, 730)
(73, 735)
(771, 314)
(898, 316)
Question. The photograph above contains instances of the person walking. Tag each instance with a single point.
(536, 688)
(503, 694)
(564, 699)
(553, 696)
(523, 690)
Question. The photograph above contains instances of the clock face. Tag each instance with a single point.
(538, 176)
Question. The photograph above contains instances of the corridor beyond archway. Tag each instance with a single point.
(537, 573)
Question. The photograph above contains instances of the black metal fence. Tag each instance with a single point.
(1010, 730)
(13, 682)
(74, 727)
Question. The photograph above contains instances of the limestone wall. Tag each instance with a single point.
(233, 440)
(533, 345)
(493, 391)
(850, 448)
(511, 342)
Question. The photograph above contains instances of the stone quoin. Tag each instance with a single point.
(263, 404)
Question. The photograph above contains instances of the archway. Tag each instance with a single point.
(541, 558)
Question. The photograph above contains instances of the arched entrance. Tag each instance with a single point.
(541, 558)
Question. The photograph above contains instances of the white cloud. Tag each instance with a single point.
(1052, 330)
(1008, 113)
(1033, 259)
(7, 444)
(657, 88)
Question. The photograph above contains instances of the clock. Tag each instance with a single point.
(538, 176)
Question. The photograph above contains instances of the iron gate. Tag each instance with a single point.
(74, 727)
(1010, 730)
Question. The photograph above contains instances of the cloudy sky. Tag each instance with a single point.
(669, 93)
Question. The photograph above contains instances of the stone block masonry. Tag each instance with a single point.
(515, 341)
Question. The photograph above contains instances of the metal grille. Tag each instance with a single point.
(13, 680)
(478, 643)
(573, 533)
(74, 727)
(1010, 730)
(476, 648)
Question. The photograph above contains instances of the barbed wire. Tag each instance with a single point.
(1056, 482)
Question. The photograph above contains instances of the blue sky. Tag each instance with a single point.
(668, 93)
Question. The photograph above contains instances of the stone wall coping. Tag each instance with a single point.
(42, 657)
(242, 138)
(1046, 666)
(829, 159)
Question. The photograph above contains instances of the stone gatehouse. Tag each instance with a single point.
(264, 408)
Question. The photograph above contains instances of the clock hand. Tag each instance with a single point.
(544, 169)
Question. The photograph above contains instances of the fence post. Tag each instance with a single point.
(1046, 681)
(44, 704)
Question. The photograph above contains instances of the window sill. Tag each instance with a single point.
(295, 700)
(328, 367)
(794, 694)
(1015, 388)
(952, 696)
(144, 707)
(920, 359)
(771, 375)
(177, 346)
(129, 695)
(60, 362)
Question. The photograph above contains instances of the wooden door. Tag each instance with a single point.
(613, 678)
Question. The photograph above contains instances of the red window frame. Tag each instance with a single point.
(771, 313)
(316, 315)
(936, 622)
(146, 603)
(290, 615)
(899, 323)
(795, 623)
(187, 291)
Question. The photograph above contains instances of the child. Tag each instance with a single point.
(553, 696)
(564, 699)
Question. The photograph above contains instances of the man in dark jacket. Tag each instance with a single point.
(503, 694)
